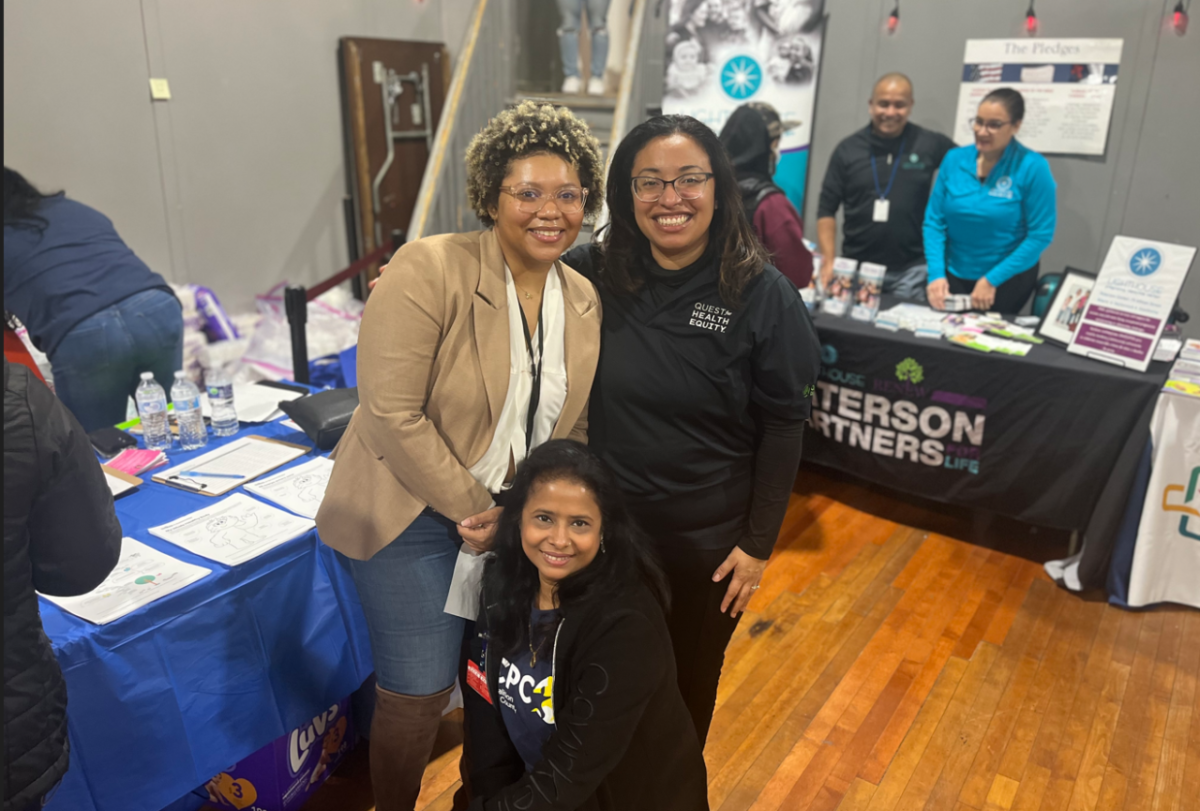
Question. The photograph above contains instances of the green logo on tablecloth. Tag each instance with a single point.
(908, 369)
(1188, 512)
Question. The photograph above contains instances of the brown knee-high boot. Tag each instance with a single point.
(402, 735)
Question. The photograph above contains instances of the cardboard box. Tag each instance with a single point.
(285, 773)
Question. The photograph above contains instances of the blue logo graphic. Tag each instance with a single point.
(741, 77)
(829, 354)
(1145, 262)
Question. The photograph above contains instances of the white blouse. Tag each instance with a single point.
(508, 442)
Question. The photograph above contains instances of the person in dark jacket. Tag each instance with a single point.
(98, 312)
(708, 363)
(572, 700)
(61, 537)
(751, 136)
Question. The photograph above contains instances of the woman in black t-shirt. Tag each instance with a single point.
(571, 699)
(708, 361)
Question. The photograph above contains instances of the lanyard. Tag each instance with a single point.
(535, 367)
(883, 193)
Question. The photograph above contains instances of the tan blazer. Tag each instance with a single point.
(433, 366)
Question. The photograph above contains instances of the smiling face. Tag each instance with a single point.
(992, 113)
(890, 105)
(677, 228)
(534, 241)
(560, 529)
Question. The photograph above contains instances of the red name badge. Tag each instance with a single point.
(477, 681)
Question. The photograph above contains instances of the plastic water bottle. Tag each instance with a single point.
(220, 398)
(152, 409)
(186, 397)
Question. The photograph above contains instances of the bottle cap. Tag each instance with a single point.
(147, 375)
(179, 374)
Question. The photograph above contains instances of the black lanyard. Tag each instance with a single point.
(535, 368)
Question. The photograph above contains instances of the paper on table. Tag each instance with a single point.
(233, 530)
(118, 482)
(142, 575)
(299, 489)
(466, 584)
(256, 403)
(247, 458)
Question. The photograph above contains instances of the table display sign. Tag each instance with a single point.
(1068, 84)
(1131, 300)
(721, 54)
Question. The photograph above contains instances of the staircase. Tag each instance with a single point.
(598, 112)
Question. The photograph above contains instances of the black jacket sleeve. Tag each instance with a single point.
(614, 676)
(833, 188)
(776, 462)
(74, 535)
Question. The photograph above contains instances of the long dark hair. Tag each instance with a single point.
(510, 579)
(626, 247)
(22, 201)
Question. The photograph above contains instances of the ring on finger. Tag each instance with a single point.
(755, 588)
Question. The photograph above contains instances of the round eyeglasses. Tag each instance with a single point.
(689, 187)
(987, 126)
(531, 200)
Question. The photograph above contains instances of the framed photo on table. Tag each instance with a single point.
(1066, 309)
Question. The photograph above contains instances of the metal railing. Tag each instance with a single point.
(484, 79)
(641, 77)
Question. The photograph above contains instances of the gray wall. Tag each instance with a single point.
(1146, 185)
(237, 182)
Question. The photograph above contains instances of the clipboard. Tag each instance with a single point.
(176, 476)
(130, 482)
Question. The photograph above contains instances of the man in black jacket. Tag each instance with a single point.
(61, 537)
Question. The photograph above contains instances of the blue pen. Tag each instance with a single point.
(209, 475)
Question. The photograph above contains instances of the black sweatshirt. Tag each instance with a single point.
(850, 183)
(623, 738)
(698, 407)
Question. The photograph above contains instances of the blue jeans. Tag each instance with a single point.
(908, 284)
(568, 34)
(97, 364)
(403, 589)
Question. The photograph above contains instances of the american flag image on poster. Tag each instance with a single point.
(991, 72)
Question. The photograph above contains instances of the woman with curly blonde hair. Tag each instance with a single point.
(474, 349)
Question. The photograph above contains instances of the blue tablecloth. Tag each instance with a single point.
(166, 697)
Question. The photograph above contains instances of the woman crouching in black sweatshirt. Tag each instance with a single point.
(572, 699)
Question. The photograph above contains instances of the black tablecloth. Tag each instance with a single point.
(1037, 438)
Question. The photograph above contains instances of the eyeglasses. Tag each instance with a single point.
(989, 126)
(689, 186)
(531, 200)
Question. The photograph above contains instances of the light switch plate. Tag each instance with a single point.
(160, 90)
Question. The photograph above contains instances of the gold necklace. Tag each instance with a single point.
(532, 650)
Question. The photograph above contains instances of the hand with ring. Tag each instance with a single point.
(747, 572)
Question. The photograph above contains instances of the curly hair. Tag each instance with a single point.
(531, 128)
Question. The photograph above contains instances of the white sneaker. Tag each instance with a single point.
(572, 85)
(595, 86)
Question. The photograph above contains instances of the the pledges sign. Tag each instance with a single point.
(724, 53)
(903, 416)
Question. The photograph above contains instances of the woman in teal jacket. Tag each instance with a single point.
(991, 214)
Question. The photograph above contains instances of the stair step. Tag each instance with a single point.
(575, 102)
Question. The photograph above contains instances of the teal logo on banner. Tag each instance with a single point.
(741, 77)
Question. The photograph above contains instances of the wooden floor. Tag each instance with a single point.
(903, 655)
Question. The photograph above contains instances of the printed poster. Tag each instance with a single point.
(1068, 84)
(1134, 294)
(721, 54)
